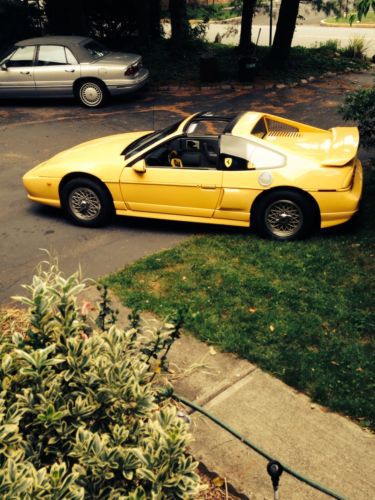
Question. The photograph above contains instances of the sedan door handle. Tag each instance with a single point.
(69, 70)
(25, 72)
(208, 186)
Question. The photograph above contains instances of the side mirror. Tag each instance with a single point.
(139, 167)
(4, 67)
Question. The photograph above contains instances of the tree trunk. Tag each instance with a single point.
(155, 15)
(148, 19)
(179, 22)
(286, 24)
(246, 25)
(66, 18)
(143, 8)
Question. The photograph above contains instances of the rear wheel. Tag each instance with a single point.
(284, 215)
(86, 202)
(92, 93)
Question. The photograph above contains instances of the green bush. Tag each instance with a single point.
(359, 106)
(357, 48)
(81, 414)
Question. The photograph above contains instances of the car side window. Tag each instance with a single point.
(69, 57)
(23, 56)
(248, 154)
(51, 55)
(186, 152)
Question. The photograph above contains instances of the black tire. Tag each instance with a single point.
(86, 202)
(284, 215)
(92, 93)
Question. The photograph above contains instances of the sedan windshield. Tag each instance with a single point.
(96, 49)
(149, 139)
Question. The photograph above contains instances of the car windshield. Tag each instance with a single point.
(96, 49)
(4, 54)
(149, 139)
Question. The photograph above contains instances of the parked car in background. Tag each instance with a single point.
(69, 66)
(281, 177)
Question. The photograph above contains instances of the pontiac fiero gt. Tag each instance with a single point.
(281, 177)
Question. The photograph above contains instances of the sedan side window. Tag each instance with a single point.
(23, 56)
(69, 57)
(51, 55)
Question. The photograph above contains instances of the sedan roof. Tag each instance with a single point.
(53, 40)
(74, 43)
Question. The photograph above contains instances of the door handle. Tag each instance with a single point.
(25, 72)
(208, 186)
(69, 70)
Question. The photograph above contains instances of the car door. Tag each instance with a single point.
(55, 71)
(17, 73)
(189, 188)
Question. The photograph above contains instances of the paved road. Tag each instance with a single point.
(305, 35)
(31, 132)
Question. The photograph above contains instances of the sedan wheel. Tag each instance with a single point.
(284, 215)
(86, 202)
(92, 94)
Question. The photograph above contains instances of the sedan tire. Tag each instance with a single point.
(86, 202)
(92, 93)
(284, 215)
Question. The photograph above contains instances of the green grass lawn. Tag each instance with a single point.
(301, 310)
(369, 19)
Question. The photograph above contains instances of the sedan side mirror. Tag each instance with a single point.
(139, 167)
(4, 67)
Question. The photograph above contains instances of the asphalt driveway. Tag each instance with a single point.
(32, 131)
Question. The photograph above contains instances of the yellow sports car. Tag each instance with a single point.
(281, 177)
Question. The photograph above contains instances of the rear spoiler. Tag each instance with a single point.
(343, 146)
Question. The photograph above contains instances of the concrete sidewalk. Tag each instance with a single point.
(326, 447)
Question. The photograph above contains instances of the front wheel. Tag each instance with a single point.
(92, 94)
(86, 202)
(284, 215)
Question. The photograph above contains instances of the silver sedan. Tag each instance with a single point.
(69, 66)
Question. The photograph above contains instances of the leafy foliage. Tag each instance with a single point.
(363, 7)
(18, 19)
(359, 106)
(80, 413)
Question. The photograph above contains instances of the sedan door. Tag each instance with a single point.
(55, 71)
(17, 73)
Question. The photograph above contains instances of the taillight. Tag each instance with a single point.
(133, 69)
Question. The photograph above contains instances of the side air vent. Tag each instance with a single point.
(278, 129)
(283, 133)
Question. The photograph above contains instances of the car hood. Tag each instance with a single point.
(101, 157)
(118, 58)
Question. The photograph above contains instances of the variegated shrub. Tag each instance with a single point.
(81, 414)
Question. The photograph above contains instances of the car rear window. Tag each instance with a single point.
(96, 49)
(260, 129)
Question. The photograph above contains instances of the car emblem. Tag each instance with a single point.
(228, 162)
(265, 179)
